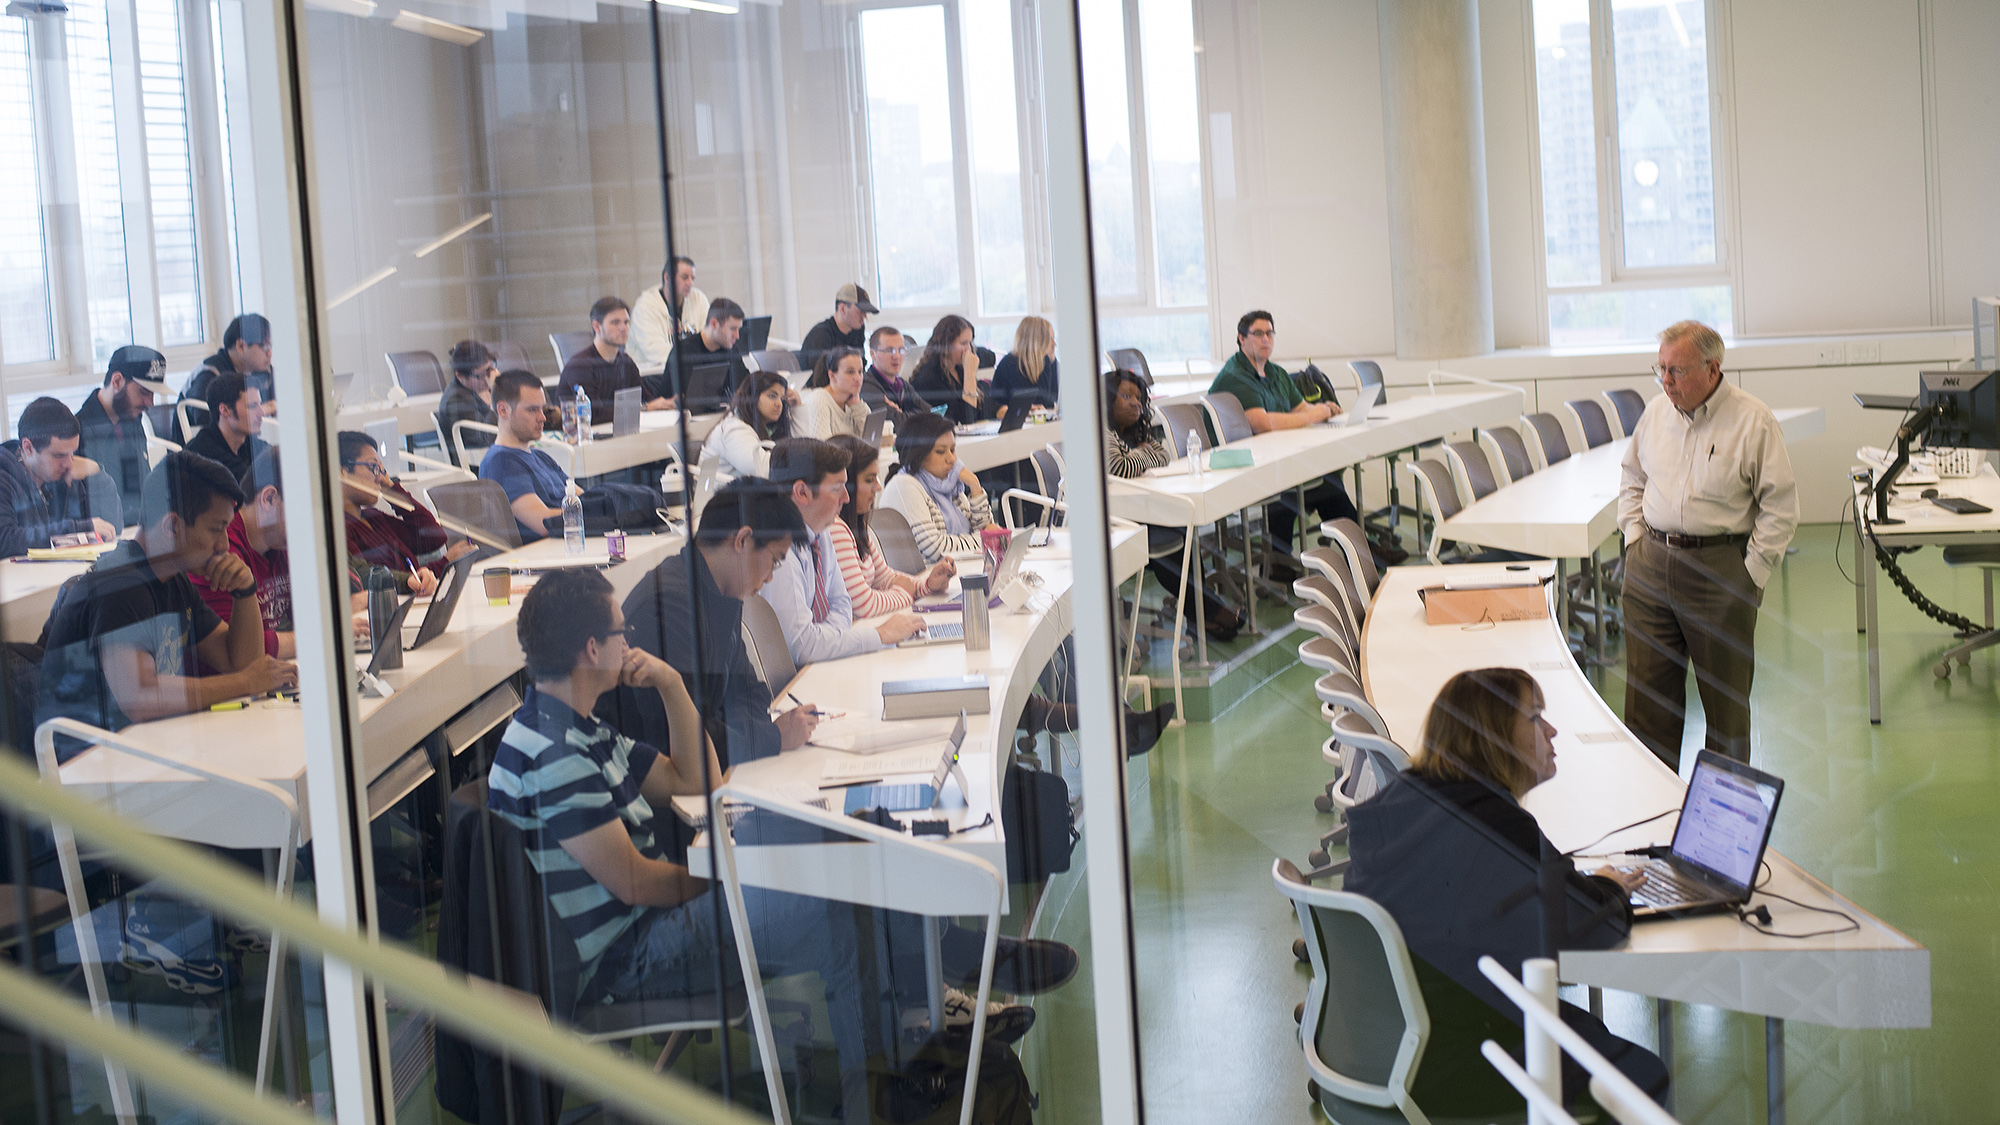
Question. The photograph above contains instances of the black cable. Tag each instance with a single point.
(1887, 561)
(1762, 924)
(1621, 828)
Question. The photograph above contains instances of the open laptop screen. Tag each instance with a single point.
(1726, 819)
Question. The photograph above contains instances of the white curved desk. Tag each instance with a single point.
(1874, 977)
(1021, 646)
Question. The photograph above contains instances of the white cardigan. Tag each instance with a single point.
(904, 494)
(739, 452)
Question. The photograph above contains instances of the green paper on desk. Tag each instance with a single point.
(1229, 459)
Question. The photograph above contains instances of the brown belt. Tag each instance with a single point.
(1695, 542)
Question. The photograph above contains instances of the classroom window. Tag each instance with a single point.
(163, 95)
(910, 159)
(994, 137)
(1173, 134)
(26, 327)
(1107, 122)
(1630, 217)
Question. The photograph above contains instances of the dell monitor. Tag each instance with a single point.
(1965, 408)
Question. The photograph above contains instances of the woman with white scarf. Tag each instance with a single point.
(940, 498)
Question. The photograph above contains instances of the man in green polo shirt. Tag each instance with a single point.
(1272, 402)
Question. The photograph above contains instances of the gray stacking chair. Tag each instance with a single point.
(1545, 433)
(1509, 452)
(1588, 415)
(1626, 406)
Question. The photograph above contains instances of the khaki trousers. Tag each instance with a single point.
(1689, 606)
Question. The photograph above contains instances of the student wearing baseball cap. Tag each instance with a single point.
(110, 419)
(851, 310)
(246, 351)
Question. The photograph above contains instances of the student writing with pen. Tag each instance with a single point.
(123, 642)
(407, 539)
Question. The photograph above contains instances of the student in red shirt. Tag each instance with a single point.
(257, 536)
(409, 541)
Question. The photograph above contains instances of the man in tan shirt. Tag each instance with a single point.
(1708, 505)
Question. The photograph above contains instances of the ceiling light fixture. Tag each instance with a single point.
(361, 8)
(455, 232)
(702, 6)
(372, 279)
(436, 29)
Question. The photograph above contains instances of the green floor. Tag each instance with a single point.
(1903, 818)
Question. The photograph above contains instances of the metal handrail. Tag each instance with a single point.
(1432, 378)
(1615, 1092)
(481, 1016)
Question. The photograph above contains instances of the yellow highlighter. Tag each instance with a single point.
(235, 705)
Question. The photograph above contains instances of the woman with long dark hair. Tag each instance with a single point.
(760, 414)
(947, 375)
(873, 585)
(1133, 443)
(942, 499)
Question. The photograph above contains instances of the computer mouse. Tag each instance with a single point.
(1930, 493)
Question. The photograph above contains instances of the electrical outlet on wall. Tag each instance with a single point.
(1864, 351)
(1832, 353)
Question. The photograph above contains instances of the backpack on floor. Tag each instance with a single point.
(930, 1088)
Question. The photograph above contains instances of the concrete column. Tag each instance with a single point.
(1435, 132)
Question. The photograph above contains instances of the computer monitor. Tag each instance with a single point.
(1965, 406)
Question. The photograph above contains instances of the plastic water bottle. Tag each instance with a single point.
(568, 407)
(573, 520)
(583, 433)
(1194, 455)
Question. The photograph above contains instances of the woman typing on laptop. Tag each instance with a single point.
(1446, 848)
(873, 585)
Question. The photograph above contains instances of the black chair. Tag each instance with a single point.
(1133, 360)
(418, 373)
(1552, 444)
(496, 923)
(1590, 422)
(1628, 405)
(1469, 462)
(1506, 446)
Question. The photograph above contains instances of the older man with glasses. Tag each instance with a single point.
(1708, 505)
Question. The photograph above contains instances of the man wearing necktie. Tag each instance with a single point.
(1708, 505)
(806, 591)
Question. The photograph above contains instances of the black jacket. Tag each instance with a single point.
(119, 446)
(26, 519)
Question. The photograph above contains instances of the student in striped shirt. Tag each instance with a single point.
(873, 585)
(586, 796)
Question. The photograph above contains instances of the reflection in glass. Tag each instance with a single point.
(910, 156)
(1173, 145)
(97, 180)
(1568, 135)
(1107, 122)
(993, 136)
(1668, 186)
(25, 331)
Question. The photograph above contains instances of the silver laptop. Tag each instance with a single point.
(444, 603)
(871, 430)
(912, 796)
(625, 407)
(1007, 571)
(1719, 842)
(1364, 402)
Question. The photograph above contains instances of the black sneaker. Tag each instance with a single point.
(1021, 966)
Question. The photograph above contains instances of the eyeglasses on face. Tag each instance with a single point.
(1676, 373)
(891, 351)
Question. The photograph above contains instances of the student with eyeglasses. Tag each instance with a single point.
(883, 383)
(409, 542)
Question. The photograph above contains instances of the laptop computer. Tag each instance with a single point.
(1006, 572)
(444, 603)
(707, 387)
(1719, 842)
(871, 430)
(913, 796)
(341, 382)
(756, 334)
(625, 408)
(395, 629)
(1015, 419)
(1364, 401)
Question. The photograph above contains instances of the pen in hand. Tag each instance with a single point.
(810, 710)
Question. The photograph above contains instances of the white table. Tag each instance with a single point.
(1874, 977)
(1569, 509)
(658, 439)
(1021, 644)
(413, 414)
(28, 594)
(266, 739)
(981, 452)
(1923, 523)
(1286, 459)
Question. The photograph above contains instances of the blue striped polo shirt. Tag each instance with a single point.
(556, 775)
